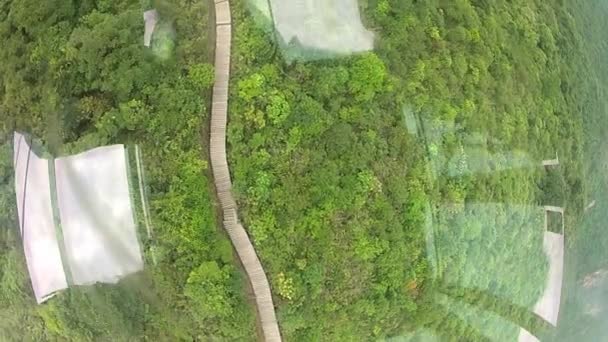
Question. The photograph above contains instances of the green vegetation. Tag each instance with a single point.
(76, 74)
(393, 193)
(335, 192)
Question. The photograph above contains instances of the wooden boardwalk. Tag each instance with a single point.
(221, 175)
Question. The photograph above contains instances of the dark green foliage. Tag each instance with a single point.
(553, 187)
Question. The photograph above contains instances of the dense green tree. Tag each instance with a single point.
(77, 76)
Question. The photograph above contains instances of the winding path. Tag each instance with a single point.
(221, 175)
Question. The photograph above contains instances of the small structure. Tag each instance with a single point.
(150, 19)
(551, 162)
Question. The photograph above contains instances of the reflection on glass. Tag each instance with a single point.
(36, 221)
(76, 217)
(476, 247)
(312, 29)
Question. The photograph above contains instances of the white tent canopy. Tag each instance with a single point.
(96, 231)
(36, 221)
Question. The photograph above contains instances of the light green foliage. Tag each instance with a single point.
(367, 76)
(369, 183)
(206, 287)
(278, 109)
(202, 75)
(383, 7)
(251, 87)
(262, 226)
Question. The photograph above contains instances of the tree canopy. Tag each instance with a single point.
(390, 193)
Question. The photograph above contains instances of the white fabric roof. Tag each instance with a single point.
(95, 215)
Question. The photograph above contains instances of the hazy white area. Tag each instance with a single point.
(36, 221)
(262, 7)
(333, 26)
(478, 159)
(525, 336)
(547, 306)
(96, 216)
(150, 19)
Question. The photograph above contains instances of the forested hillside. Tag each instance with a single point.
(75, 74)
(339, 193)
(388, 194)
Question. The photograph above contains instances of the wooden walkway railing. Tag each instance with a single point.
(221, 175)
